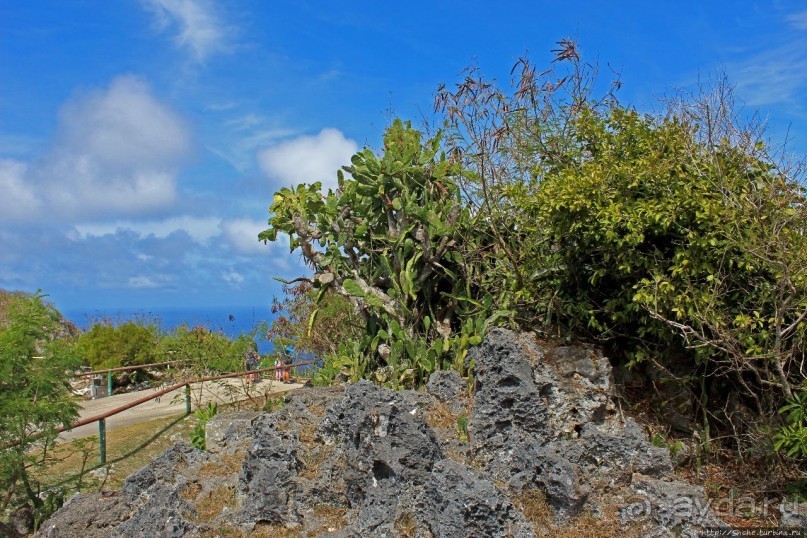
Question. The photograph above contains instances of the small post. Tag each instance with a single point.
(109, 383)
(187, 399)
(102, 440)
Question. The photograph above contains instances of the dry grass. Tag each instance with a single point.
(128, 449)
(532, 504)
(191, 492)
(225, 466)
(406, 526)
(312, 459)
(331, 519)
(308, 435)
(275, 530)
(224, 531)
(317, 411)
(213, 503)
(439, 416)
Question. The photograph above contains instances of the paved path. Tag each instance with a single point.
(171, 404)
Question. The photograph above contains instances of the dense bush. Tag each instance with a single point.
(203, 352)
(130, 343)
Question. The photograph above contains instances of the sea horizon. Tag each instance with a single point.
(233, 321)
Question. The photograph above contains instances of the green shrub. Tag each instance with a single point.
(127, 344)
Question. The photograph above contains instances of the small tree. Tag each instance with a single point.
(313, 328)
(391, 240)
(35, 397)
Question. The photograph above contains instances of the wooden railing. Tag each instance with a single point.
(101, 419)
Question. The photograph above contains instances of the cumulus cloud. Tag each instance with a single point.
(198, 26)
(308, 158)
(117, 152)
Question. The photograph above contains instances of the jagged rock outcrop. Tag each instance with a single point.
(544, 445)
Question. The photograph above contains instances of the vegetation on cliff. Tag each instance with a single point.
(677, 241)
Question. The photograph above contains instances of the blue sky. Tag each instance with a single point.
(141, 140)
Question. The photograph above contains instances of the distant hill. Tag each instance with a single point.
(68, 328)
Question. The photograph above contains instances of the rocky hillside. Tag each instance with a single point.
(66, 328)
(545, 451)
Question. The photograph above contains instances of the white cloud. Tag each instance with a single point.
(242, 136)
(117, 152)
(201, 229)
(199, 27)
(123, 127)
(18, 200)
(306, 159)
(242, 235)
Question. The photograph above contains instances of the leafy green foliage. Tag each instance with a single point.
(462, 428)
(127, 344)
(35, 398)
(654, 238)
(203, 416)
(678, 241)
(792, 437)
(391, 239)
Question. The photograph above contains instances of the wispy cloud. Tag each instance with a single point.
(142, 282)
(776, 75)
(308, 158)
(198, 27)
(798, 20)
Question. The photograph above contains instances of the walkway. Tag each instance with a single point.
(171, 404)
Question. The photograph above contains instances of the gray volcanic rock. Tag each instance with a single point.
(457, 503)
(793, 514)
(669, 508)
(162, 514)
(448, 387)
(88, 516)
(545, 418)
(176, 461)
(364, 461)
(228, 432)
(266, 485)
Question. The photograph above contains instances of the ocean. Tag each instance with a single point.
(232, 321)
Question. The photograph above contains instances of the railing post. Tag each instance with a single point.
(102, 440)
(109, 383)
(187, 399)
